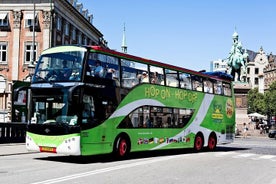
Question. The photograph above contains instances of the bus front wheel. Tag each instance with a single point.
(122, 147)
(198, 145)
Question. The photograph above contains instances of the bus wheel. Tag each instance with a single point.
(212, 142)
(122, 147)
(198, 145)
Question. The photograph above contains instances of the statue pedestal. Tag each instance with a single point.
(240, 91)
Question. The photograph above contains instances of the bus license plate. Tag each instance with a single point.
(47, 149)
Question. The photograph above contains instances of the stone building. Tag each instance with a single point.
(27, 27)
(270, 71)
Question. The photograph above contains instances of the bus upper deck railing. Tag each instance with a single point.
(12, 132)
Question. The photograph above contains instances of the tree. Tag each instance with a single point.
(263, 104)
(270, 100)
(256, 102)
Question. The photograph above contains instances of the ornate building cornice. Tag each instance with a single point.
(17, 15)
(46, 19)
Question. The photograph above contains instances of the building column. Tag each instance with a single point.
(46, 30)
(16, 44)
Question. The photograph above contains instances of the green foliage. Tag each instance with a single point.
(270, 100)
(256, 102)
(263, 104)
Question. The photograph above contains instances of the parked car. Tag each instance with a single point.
(272, 134)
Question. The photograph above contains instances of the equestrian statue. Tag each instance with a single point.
(237, 58)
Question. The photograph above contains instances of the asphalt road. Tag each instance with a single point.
(251, 160)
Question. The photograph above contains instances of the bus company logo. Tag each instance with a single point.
(229, 108)
(217, 112)
(183, 95)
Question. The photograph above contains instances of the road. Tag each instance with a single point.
(250, 160)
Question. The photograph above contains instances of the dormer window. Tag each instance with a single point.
(31, 20)
(4, 21)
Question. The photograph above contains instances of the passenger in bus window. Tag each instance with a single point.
(197, 86)
(145, 77)
(218, 88)
(65, 73)
(208, 87)
(75, 72)
(98, 70)
(154, 78)
(60, 74)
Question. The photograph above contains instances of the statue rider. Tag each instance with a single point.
(237, 58)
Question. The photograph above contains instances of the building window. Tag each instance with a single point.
(4, 21)
(256, 70)
(85, 41)
(73, 34)
(31, 20)
(79, 38)
(256, 81)
(66, 29)
(59, 23)
(3, 53)
(29, 51)
(248, 70)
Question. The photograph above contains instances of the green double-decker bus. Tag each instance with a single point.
(88, 100)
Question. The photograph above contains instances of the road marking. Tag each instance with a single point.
(245, 155)
(266, 157)
(222, 154)
(104, 170)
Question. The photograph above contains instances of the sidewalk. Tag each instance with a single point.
(13, 149)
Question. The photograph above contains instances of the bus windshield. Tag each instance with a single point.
(52, 110)
(60, 66)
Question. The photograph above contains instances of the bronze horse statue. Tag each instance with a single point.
(237, 64)
(236, 61)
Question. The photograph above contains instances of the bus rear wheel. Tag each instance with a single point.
(198, 145)
(122, 147)
(212, 142)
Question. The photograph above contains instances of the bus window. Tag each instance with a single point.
(133, 73)
(185, 80)
(172, 78)
(88, 110)
(227, 89)
(104, 66)
(59, 67)
(156, 75)
(218, 87)
(185, 116)
(197, 83)
(208, 86)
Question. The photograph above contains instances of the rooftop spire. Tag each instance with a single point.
(124, 46)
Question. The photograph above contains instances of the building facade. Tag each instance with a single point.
(270, 71)
(218, 66)
(27, 27)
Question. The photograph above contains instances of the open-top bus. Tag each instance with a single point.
(87, 100)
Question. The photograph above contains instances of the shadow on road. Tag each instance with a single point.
(137, 155)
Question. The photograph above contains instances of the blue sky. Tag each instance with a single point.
(185, 33)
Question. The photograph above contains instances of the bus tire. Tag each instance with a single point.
(198, 143)
(212, 142)
(121, 147)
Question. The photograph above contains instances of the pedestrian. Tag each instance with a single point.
(245, 129)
